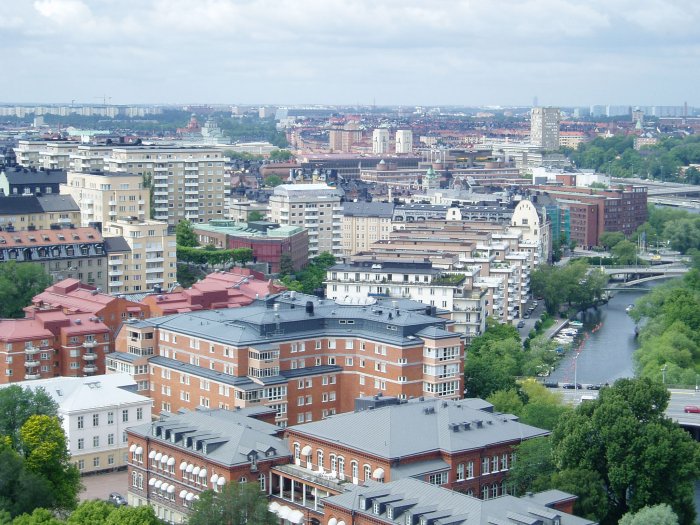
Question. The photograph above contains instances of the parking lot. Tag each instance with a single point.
(99, 486)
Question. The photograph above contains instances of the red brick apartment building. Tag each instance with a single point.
(457, 444)
(172, 460)
(68, 330)
(305, 357)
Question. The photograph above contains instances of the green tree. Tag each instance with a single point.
(184, 234)
(286, 265)
(661, 514)
(236, 504)
(280, 155)
(142, 515)
(21, 491)
(17, 405)
(44, 447)
(624, 252)
(626, 439)
(255, 215)
(93, 512)
(19, 283)
(273, 180)
(609, 239)
(506, 401)
(37, 517)
(592, 502)
(534, 467)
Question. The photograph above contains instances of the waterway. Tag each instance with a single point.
(606, 352)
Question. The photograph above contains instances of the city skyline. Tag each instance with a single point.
(327, 52)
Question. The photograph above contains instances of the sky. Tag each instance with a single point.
(383, 52)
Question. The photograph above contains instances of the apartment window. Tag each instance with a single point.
(494, 463)
(348, 361)
(485, 466)
(504, 462)
(470, 469)
(300, 401)
(96, 461)
(81, 464)
(95, 441)
(349, 344)
(331, 360)
(110, 439)
(125, 416)
(460, 472)
(110, 461)
(139, 414)
(95, 420)
(485, 492)
(110, 418)
(81, 422)
(438, 479)
(81, 443)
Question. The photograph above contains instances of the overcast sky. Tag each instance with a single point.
(408, 52)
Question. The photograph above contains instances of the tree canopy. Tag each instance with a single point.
(627, 441)
(310, 279)
(576, 284)
(236, 504)
(661, 514)
(17, 405)
(184, 234)
(19, 283)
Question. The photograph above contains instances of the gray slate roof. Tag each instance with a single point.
(260, 323)
(423, 499)
(28, 176)
(230, 435)
(418, 427)
(57, 203)
(116, 245)
(368, 209)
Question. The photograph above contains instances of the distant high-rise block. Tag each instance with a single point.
(404, 141)
(380, 140)
(544, 128)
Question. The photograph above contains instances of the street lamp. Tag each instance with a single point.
(663, 374)
(575, 374)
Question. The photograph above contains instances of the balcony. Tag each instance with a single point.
(29, 377)
(112, 203)
(155, 270)
(116, 262)
(155, 260)
(90, 369)
(158, 248)
(31, 350)
(116, 273)
(112, 213)
(90, 344)
(192, 208)
(155, 280)
(89, 356)
(142, 202)
(115, 283)
(30, 363)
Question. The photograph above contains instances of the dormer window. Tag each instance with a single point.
(409, 519)
(376, 507)
(390, 513)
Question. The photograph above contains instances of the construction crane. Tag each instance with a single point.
(104, 98)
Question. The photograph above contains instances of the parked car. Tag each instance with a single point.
(521, 324)
(117, 499)
(691, 409)
(594, 387)
(527, 315)
(571, 386)
(551, 384)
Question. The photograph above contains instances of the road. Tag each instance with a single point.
(99, 486)
(679, 400)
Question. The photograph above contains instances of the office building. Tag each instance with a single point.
(404, 141)
(95, 414)
(314, 207)
(268, 241)
(544, 128)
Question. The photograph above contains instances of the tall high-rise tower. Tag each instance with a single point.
(544, 128)
(380, 140)
(404, 141)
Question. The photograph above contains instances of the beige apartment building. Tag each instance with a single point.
(152, 262)
(53, 155)
(189, 182)
(315, 207)
(103, 196)
(89, 157)
(365, 223)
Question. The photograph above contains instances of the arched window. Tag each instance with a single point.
(334, 464)
(355, 469)
(485, 492)
(319, 458)
(134, 479)
(368, 472)
(141, 481)
(341, 467)
(297, 451)
(243, 480)
(261, 482)
(494, 490)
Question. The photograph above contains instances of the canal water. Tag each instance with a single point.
(608, 343)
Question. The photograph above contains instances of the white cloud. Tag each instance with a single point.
(340, 50)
